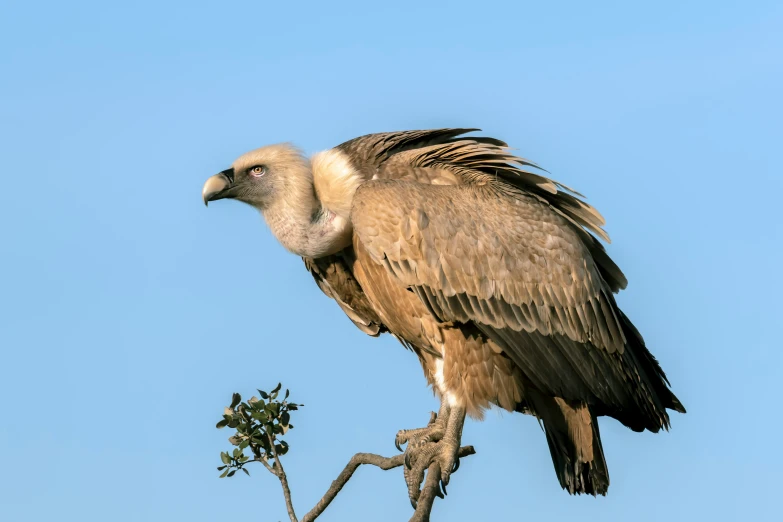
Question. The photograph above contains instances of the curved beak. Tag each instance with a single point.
(217, 185)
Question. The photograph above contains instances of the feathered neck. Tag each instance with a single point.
(311, 216)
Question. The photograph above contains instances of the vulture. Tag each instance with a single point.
(486, 269)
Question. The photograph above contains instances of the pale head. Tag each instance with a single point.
(306, 203)
(261, 177)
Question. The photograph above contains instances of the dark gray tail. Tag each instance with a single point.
(575, 444)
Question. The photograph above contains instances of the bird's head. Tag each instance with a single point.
(305, 202)
(260, 177)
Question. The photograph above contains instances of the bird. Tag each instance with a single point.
(490, 272)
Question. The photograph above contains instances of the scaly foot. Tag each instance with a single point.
(433, 432)
(438, 442)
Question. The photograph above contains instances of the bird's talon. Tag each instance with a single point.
(445, 477)
(400, 439)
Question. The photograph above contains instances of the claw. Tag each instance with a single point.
(400, 439)
(443, 487)
(456, 465)
(445, 479)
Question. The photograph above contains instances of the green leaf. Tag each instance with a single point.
(221, 424)
(277, 388)
(244, 444)
(246, 472)
(235, 399)
(236, 452)
(222, 467)
(264, 395)
(286, 394)
(225, 458)
(285, 418)
(224, 474)
(273, 408)
(293, 407)
(231, 473)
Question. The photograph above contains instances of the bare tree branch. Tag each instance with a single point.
(283, 481)
(385, 463)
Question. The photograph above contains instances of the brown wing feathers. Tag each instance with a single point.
(503, 278)
(516, 262)
(564, 335)
(491, 157)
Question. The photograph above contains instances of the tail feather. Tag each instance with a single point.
(575, 444)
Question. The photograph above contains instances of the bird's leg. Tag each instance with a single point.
(438, 442)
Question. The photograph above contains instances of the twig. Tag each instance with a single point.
(428, 494)
(266, 465)
(283, 481)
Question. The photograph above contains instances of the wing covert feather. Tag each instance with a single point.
(473, 253)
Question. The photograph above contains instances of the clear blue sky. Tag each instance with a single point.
(129, 312)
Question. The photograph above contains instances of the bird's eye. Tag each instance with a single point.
(258, 171)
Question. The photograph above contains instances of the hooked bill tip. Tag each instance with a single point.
(214, 186)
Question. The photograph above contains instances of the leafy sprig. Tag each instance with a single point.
(258, 425)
